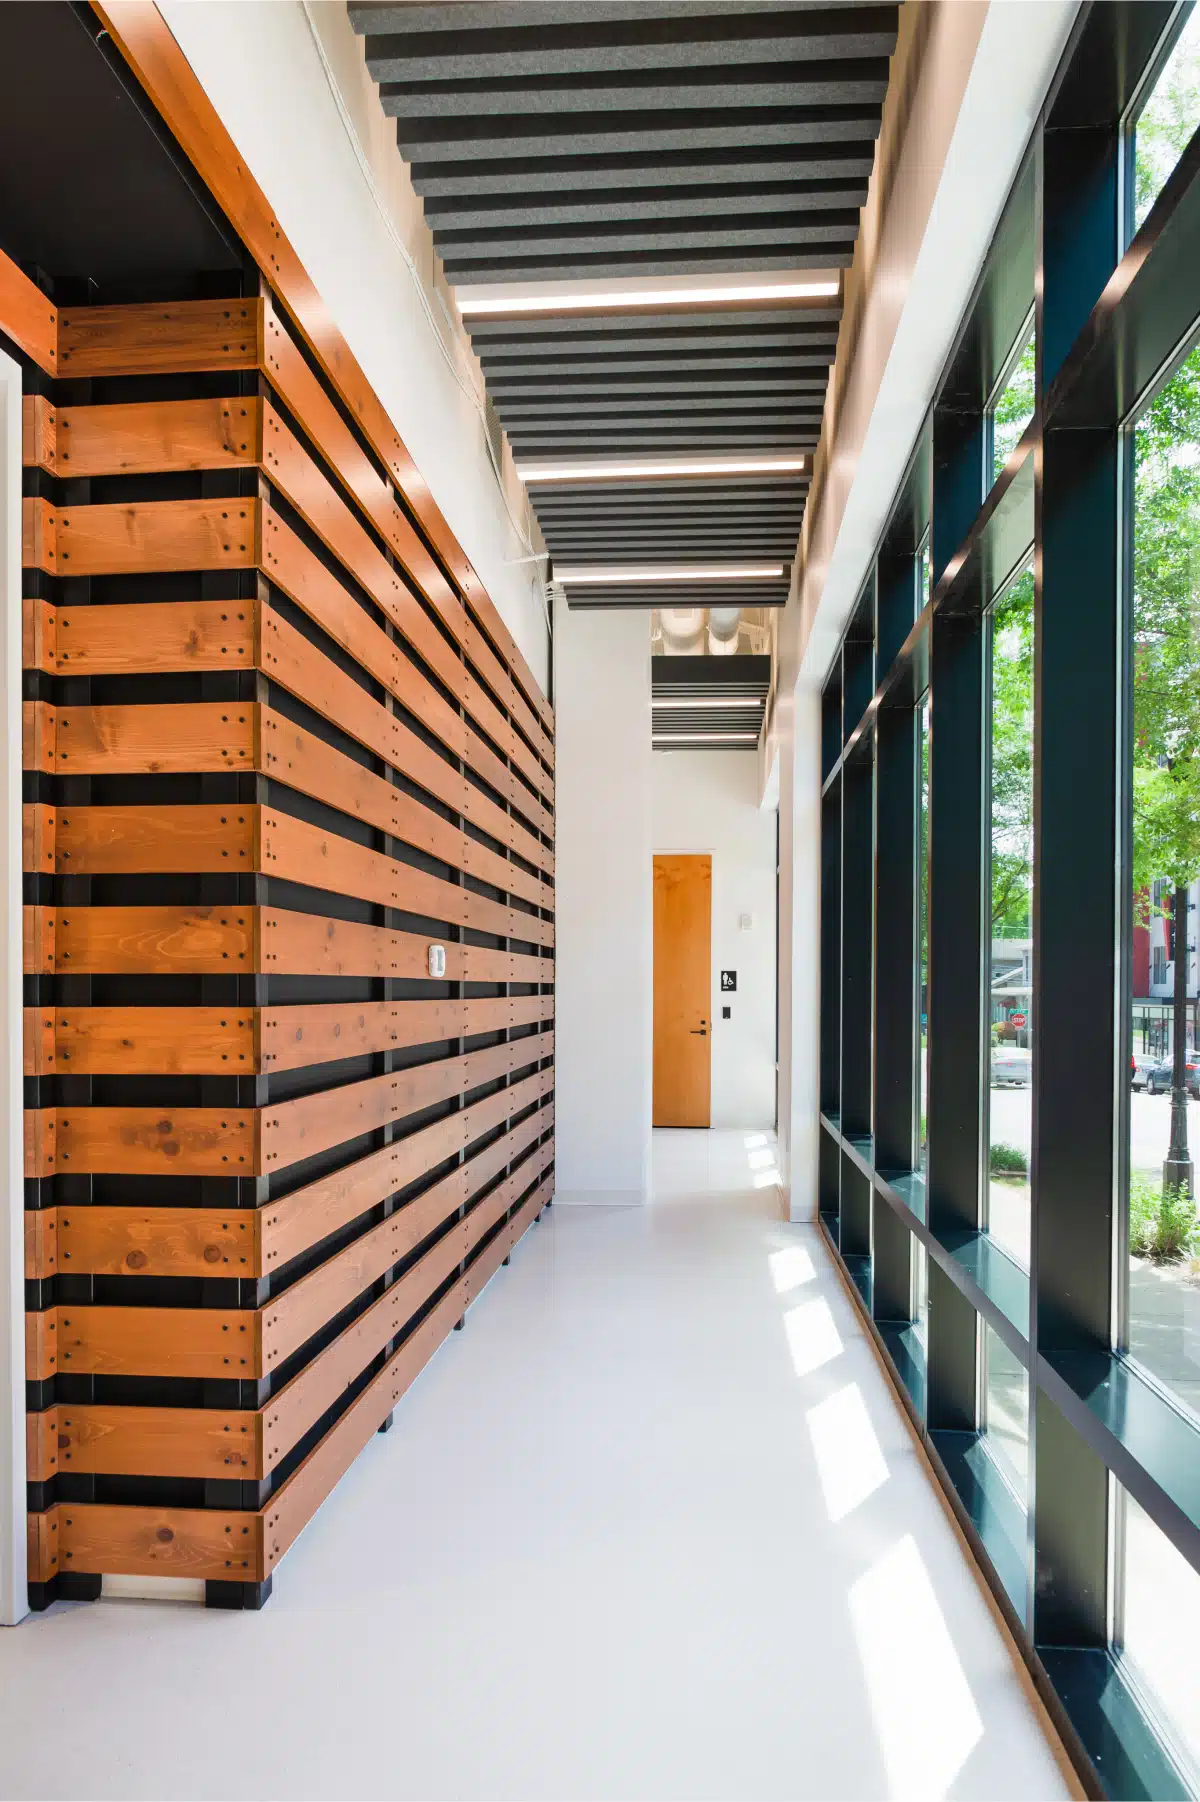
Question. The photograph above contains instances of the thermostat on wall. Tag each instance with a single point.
(437, 960)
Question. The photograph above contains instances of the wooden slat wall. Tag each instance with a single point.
(273, 754)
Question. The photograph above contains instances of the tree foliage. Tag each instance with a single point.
(1012, 760)
(1168, 120)
(1014, 408)
(1166, 635)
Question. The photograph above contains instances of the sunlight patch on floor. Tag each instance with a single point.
(791, 1268)
(850, 1463)
(812, 1335)
(925, 1715)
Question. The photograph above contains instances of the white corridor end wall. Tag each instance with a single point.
(708, 801)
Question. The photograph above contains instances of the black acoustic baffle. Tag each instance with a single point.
(597, 142)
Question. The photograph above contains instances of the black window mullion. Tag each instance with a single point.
(895, 936)
(956, 966)
(857, 860)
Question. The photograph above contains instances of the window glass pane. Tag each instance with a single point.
(920, 1307)
(1163, 1329)
(1167, 120)
(922, 1047)
(1009, 1016)
(1014, 408)
(1006, 1411)
(1160, 1608)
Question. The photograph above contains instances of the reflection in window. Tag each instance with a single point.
(1163, 1330)
(1010, 968)
(1156, 1627)
(922, 1046)
(1167, 121)
(1013, 406)
(1006, 1412)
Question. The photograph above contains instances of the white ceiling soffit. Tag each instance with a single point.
(931, 249)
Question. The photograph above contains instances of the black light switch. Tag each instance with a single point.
(726, 1013)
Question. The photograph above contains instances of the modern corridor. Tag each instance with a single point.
(652, 1526)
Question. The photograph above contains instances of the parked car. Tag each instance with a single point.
(1161, 1076)
(1140, 1065)
(1012, 1066)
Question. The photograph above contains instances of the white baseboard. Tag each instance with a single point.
(599, 1198)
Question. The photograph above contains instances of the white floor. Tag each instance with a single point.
(652, 1526)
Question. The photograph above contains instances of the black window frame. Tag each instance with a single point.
(1110, 317)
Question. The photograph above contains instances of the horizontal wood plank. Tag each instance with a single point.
(136, 1141)
(213, 838)
(165, 1342)
(156, 636)
(224, 1041)
(145, 437)
(92, 1439)
(123, 740)
(130, 1141)
(164, 941)
(28, 317)
(152, 941)
(102, 1240)
(174, 338)
(108, 1539)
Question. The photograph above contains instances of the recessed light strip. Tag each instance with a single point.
(708, 738)
(602, 575)
(623, 300)
(664, 470)
(725, 702)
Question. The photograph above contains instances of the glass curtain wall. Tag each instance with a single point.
(1011, 965)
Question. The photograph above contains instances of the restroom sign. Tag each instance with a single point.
(728, 982)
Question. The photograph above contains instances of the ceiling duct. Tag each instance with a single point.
(724, 625)
(683, 630)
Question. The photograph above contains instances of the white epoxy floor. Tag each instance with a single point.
(652, 1526)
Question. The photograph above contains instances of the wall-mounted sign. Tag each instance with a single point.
(728, 982)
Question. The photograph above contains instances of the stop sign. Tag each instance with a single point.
(1016, 1020)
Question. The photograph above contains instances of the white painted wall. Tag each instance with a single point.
(259, 63)
(708, 801)
(604, 896)
(798, 718)
(13, 1592)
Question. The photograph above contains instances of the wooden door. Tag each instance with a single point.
(682, 990)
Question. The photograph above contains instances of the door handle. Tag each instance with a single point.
(700, 1032)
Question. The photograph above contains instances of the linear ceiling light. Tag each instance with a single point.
(725, 702)
(677, 466)
(599, 573)
(708, 738)
(623, 300)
